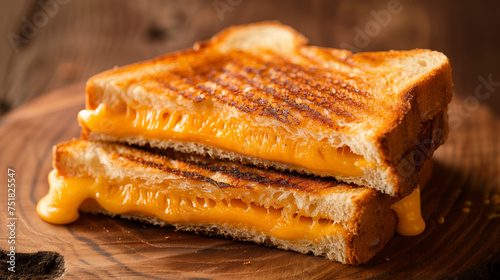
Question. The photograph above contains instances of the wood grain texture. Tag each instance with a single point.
(455, 243)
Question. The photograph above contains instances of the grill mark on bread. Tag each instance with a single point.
(178, 172)
(314, 73)
(271, 110)
(278, 74)
(277, 88)
(165, 84)
(318, 55)
(235, 97)
(309, 80)
(192, 167)
(311, 97)
(273, 178)
(261, 86)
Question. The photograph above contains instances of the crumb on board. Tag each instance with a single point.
(387, 259)
(167, 237)
(467, 203)
(487, 201)
(466, 209)
(441, 220)
(247, 262)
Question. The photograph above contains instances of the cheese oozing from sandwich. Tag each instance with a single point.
(410, 221)
(226, 133)
(66, 195)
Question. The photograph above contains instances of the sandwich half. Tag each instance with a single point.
(260, 95)
(341, 222)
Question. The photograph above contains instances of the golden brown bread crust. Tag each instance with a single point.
(375, 100)
(377, 224)
(364, 213)
(408, 161)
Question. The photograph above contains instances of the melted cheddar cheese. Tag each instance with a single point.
(410, 221)
(60, 206)
(226, 133)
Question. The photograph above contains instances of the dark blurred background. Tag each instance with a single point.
(54, 43)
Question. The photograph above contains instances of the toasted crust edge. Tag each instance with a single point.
(400, 143)
(375, 221)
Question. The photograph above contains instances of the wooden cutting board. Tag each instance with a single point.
(460, 204)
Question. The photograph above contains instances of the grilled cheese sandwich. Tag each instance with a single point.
(179, 140)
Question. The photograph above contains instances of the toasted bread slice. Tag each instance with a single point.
(339, 221)
(259, 94)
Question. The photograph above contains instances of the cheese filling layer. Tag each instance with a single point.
(61, 204)
(226, 133)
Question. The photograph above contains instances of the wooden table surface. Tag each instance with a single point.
(51, 44)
